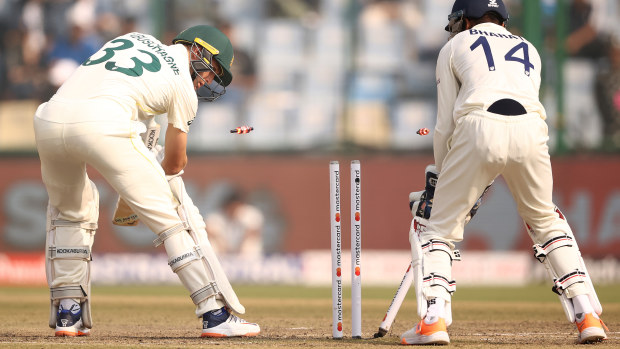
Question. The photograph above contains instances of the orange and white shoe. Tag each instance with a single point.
(434, 333)
(591, 328)
(221, 323)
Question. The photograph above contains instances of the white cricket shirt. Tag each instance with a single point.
(478, 67)
(131, 77)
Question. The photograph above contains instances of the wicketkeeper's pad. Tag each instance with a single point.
(562, 259)
(431, 263)
(421, 202)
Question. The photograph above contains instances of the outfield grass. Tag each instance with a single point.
(290, 316)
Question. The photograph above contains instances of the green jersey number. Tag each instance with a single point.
(136, 70)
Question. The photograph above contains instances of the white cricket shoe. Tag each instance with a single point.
(69, 322)
(221, 323)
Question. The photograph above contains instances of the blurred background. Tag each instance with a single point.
(319, 80)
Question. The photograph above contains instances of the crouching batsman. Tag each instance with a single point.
(96, 118)
(490, 122)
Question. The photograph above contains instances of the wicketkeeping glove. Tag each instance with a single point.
(421, 202)
(474, 209)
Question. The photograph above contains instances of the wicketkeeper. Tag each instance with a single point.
(96, 118)
(490, 122)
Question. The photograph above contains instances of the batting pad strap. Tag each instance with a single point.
(541, 251)
(439, 280)
(83, 225)
(208, 291)
(438, 245)
(70, 252)
(163, 236)
(568, 280)
(72, 291)
(179, 262)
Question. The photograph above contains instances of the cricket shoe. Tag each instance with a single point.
(591, 329)
(222, 323)
(69, 322)
(434, 333)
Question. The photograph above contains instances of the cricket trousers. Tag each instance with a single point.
(485, 145)
(113, 148)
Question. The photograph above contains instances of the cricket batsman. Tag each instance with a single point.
(490, 122)
(96, 118)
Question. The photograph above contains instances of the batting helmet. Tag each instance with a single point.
(213, 44)
(476, 9)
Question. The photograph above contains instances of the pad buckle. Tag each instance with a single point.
(208, 291)
(439, 280)
(438, 245)
(541, 251)
(166, 234)
(65, 223)
(71, 291)
(567, 280)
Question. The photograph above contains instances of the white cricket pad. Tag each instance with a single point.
(67, 260)
(561, 257)
(191, 256)
(431, 262)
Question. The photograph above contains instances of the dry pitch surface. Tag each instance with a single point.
(162, 317)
